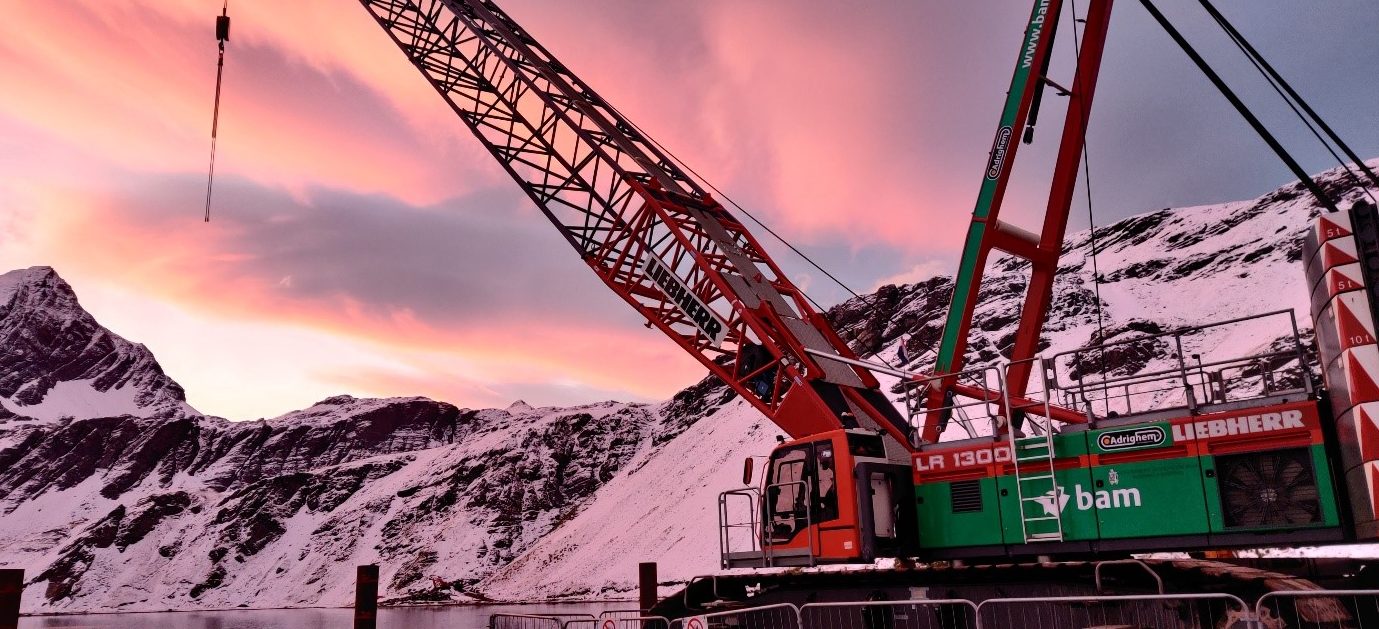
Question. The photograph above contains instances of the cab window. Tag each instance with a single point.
(866, 445)
(826, 487)
(786, 494)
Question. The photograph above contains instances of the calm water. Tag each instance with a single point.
(467, 617)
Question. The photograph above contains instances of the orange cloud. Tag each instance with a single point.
(213, 269)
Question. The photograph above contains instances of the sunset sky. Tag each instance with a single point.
(364, 242)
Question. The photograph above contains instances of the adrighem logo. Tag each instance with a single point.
(998, 152)
(1140, 437)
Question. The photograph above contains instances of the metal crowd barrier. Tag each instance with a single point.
(619, 621)
(913, 614)
(1305, 609)
(1302, 609)
(533, 621)
(1196, 611)
(781, 616)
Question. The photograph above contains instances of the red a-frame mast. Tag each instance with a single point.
(987, 233)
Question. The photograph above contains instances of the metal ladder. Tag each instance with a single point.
(1036, 485)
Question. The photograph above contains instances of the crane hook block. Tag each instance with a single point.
(222, 27)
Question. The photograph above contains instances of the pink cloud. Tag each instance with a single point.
(224, 270)
(789, 111)
(133, 84)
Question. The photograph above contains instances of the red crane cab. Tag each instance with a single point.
(842, 496)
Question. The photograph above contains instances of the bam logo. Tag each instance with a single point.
(1141, 437)
(1056, 500)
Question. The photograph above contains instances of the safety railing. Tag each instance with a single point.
(1303, 609)
(1191, 611)
(1308, 609)
(738, 535)
(977, 416)
(786, 510)
(914, 614)
(1193, 369)
(780, 616)
(534, 621)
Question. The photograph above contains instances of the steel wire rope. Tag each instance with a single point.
(760, 223)
(1256, 60)
(1234, 99)
(1087, 187)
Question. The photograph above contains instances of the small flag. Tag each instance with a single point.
(900, 355)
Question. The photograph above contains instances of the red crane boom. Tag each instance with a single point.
(645, 227)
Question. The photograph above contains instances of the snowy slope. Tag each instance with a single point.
(662, 509)
(141, 503)
(116, 495)
(277, 512)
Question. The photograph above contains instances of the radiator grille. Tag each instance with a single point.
(967, 496)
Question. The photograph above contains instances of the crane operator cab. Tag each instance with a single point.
(829, 498)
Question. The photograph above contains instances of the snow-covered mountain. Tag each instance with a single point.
(58, 362)
(114, 494)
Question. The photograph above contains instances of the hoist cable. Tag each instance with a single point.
(1294, 101)
(1240, 107)
(222, 35)
(1087, 187)
(756, 220)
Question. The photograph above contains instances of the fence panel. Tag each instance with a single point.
(914, 614)
(528, 621)
(619, 620)
(1196, 611)
(1305, 609)
(782, 616)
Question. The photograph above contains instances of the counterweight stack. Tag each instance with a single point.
(1341, 253)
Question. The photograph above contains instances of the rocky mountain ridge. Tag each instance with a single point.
(146, 504)
(59, 362)
(155, 506)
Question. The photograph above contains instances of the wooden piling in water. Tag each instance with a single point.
(646, 577)
(11, 587)
(365, 598)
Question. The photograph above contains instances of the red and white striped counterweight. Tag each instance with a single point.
(1341, 257)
